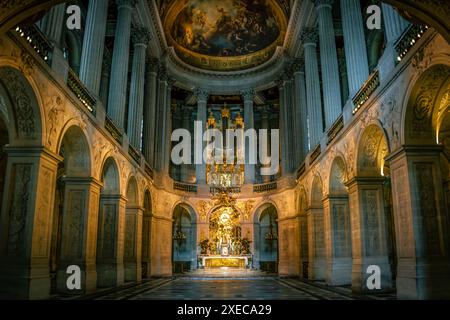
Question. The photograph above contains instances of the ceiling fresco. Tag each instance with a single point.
(224, 35)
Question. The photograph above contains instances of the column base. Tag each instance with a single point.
(24, 282)
(360, 275)
(133, 272)
(317, 269)
(110, 275)
(424, 280)
(339, 272)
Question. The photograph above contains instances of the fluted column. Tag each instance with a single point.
(141, 38)
(93, 45)
(185, 124)
(313, 98)
(121, 56)
(202, 103)
(301, 111)
(168, 126)
(249, 123)
(150, 99)
(265, 125)
(394, 24)
(329, 62)
(160, 119)
(355, 45)
(284, 132)
(104, 82)
(52, 24)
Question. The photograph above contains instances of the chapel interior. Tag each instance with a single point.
(357, 90)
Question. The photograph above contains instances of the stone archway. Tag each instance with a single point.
(338, 240)
(372, 222)
(184, 239)
(133, 233)
(304, 219)
(317, 253)
(147, 235)
(4, 141)
(111, 210)
(80, 208)
(418, 182)
(265, 230)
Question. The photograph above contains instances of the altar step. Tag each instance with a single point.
(226, 273)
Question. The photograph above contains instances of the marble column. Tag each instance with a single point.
(394, 24)
(185, 124)
(141, 38)
(369, 233)
(133, 244)
(313, 96)
(121, 56)
(110, 243)
(79, 233)
(158, 156)
(25, 223)
(355, 45)
(150, 106)
(328, 57)
(53, 24)
(291, 139)
(249, 123)
(93, 45)
(168, 127)
(265, 125)
(283, 126)
(202, 102)
(104, 82)
(301, 111)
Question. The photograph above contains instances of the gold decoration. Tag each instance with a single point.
(203, 208)
(246, 208)
(226, 112)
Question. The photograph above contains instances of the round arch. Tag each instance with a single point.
(373, 148)
(265, 234)
(184, 238)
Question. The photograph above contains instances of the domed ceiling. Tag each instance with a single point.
(224, 35)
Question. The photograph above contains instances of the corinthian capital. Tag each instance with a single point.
(201, 94)
(309, 36)
(126, 3)
(140, 36)
(248, 94)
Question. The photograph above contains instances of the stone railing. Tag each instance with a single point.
(366, 91)
(301, 170)
(77, 87)
(335, 129)
(113, 130)
(265, 187)
(134, 153)
(37, 41)
(185, 187)
(315, 154)
(408, 39)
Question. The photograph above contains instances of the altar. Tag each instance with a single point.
(217, 261)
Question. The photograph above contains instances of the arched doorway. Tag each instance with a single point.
(109, 271)
(372, 220)
(147, 236)
(266, 239)
(184, 239)
(133, 233)
(304, 228)
(81, 193)
(317, 260)
(419, 178)
(337, 221)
